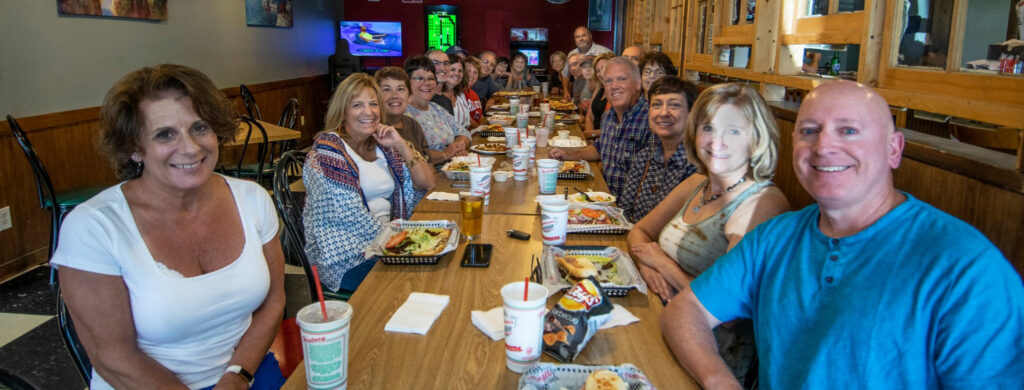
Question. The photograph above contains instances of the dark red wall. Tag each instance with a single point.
(485, 24)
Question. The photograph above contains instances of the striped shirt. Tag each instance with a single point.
(620, 142)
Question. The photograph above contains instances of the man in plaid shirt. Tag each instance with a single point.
(624, 129)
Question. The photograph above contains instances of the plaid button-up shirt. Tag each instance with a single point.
(620, 142)
(651, 178)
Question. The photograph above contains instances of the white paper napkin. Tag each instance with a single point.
(492, 322)
(417, 314)
(441, 195)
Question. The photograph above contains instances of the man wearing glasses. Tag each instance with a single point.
(441, 63)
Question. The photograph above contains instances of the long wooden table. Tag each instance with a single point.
(454, 354)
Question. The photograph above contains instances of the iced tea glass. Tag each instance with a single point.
(472, 208)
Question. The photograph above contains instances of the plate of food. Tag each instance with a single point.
(501, 119)
(575, 170)
(567, 118)
(594, 218)
(511, 93)
(561, 267)
(488, 148)
(595, 197)
(491, 130)
(545, 376)
(414, 242)
(458, 167)
(562, 105)
(571, 142)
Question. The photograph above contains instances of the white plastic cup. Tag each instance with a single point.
(554, 221)
(536, 88)
(520, 162)
(545, 108)
(524, 324)
(531, 142)
(542, 136)
(522, 119)
(544, 88)
(549, 120)
(325, 344)
(513, 105)
(563, 134)
(480, 181)
(511, 140)
(525, 107)
(547, 175)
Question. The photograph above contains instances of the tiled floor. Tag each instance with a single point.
(30, 342)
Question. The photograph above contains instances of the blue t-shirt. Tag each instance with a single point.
(917, 300)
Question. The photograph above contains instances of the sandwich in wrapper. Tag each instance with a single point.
(574, 319)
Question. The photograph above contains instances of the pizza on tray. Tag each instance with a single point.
(417, 241)
(490, 147)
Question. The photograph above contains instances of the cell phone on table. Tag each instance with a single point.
(477, 255)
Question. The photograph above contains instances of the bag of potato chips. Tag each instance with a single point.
(574, 320)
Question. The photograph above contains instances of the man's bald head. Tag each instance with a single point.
(583, 39)
(845, 147)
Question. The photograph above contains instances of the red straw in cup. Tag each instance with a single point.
(319, 292)
(478, 163)
(526, 289)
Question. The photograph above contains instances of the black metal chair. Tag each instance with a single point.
(74, 346)
(290, 205)
(59, 204)
(289, 116)
(255, 170)
(249, 102)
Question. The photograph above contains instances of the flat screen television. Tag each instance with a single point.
(442, 26)
(532, 56)
(373, 39)
(538, 34)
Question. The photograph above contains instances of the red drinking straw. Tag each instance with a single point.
(478, 163)
(319, 292)
(526, 290)
(519, 138)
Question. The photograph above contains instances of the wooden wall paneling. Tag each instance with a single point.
(838, 29)
(65, 142)
(871, 43)
(785, 176)
(766, 36)
(674, 44)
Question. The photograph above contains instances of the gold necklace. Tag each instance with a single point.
(702, 203)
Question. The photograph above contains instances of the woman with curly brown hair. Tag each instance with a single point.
(174, 277)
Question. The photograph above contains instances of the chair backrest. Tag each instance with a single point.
(250, 102)
(290, 114)
(262, 148)
(44, 187)
(74, 346)
(289, 206)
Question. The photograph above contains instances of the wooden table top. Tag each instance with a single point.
(454, 353)
(275, 133)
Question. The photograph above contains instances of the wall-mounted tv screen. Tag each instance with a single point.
(529, 34)
(442, 26)
(532, 56)
(375, 39)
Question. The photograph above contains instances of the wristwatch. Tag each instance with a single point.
(240, 371)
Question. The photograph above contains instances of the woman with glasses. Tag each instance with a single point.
(520, 77)
(442, 131)
(599, 103)
(653, 66)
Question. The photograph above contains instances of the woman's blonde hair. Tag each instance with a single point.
(346, 91)
(764, 137)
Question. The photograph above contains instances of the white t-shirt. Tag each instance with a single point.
(376, 181)
(189, 325)
(462, 109)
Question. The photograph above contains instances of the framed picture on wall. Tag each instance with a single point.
(133, 9)
(268, 13)
(600, 16)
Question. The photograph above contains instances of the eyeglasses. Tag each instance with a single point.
(445, 63)
(654, 72)
(420, 79)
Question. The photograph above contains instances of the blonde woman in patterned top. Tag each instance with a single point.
(732, 139)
